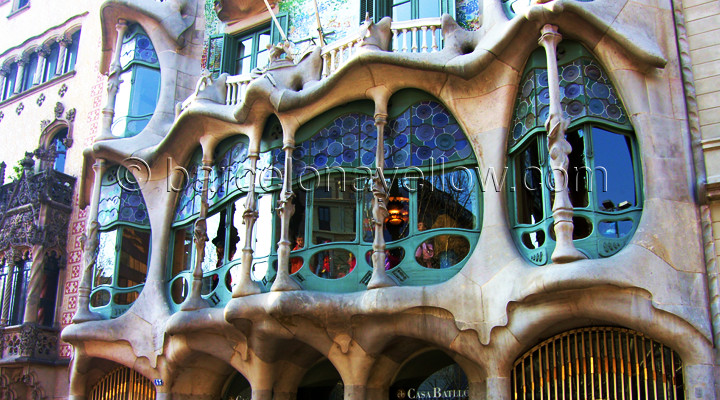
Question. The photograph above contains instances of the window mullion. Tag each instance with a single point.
(118, 249)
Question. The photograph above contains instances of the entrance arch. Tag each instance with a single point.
(237, 388)
(321, 382)
(123, 383)
(598, 363)
(432, 374)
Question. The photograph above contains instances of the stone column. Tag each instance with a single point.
(286, 209)
(558, 148)
(3, 80)
(19, 77)
(90, 241)
(42, 59)
(63, 45)
(34, 284)
(113, 84)
(380, 200)
(195, 300)
(245, 285)
(7, 293)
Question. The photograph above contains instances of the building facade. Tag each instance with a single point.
(364, 200)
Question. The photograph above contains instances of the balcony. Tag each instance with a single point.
(28, 342)
(413, 36)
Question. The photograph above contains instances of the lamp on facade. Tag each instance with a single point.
(397, 207)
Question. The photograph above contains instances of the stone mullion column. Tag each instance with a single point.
(558, 148)
(286, 209)
(380, 200)
(34, 284)
(195, 300)
(245, 285)
(62, 44)
(3, 80)
(113, 83)
(42, 59)
(7, 293)
(91, 239)
(19, 77)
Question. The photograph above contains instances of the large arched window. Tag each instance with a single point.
(124, 244)
(138, 94)
(598, 363)
(604, 176)
(434, 203)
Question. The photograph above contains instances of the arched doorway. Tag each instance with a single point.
(432, 374)
(598, 363)
(237, 388)
(123, 383)
(321, 382)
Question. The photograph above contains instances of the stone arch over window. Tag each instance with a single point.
(56, 138)
(604, 174)
(598, 362)
(124, 244)
(123, 383)
(237, 387)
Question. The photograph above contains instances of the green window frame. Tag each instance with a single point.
(124, 244)
(604, 173)
(402, 10)
(140, 82)
(228, 53)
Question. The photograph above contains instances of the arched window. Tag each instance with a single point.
(598, 363)
(237, 388)
(138, 94)
(124, 244)
(57, 145)
(29, 72)
(604, 176)
(321, 382)
(51, 62)
(72, 53)
(10, 79)
(14, 280)
(123, 383)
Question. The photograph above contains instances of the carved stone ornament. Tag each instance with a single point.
(70, 115)
(2, 115)
(40, 100)
(63, 90)
(44, 124)
(19, 109)
(59, 110)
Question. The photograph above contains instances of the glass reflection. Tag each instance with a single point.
(237, 229)
(334, 207)
(332, 264)
(105, 266)
(182, 250)
(263, 227)
(134, 252)
(614, 172)
(528, 185)
(215, 247)
(397, 223)
(447, 200)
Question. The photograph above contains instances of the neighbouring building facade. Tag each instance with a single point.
(360, 199)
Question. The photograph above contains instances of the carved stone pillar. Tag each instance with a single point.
(380, 212)
(3, 80)
(90, 240)
(42, 59)
(558, 148)
(19, 77)
(63, 45)
(286, 209)
(195, 301)
(7, 293)
(113, 83)
(245, 285)
(34, 284)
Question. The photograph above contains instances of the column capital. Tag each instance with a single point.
(549, 35)
(43, 51)
(121, 25)
(63, 41)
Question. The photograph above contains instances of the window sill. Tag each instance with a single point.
(18, 11)
(37, 88)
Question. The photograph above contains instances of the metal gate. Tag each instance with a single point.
(598, 363)
(123, 384)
